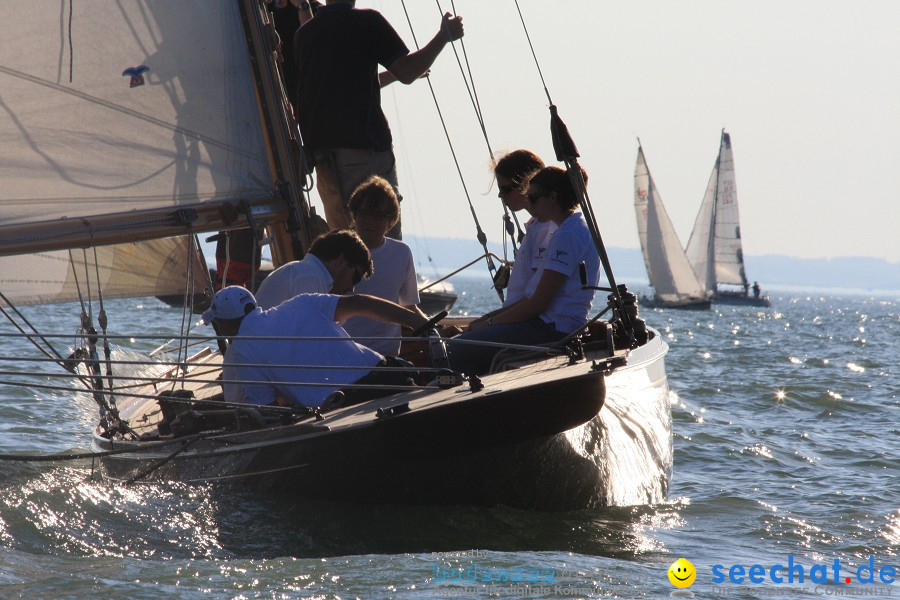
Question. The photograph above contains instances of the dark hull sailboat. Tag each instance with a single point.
(169, 155)
(740, 299)
(685, 304)
(715, 248)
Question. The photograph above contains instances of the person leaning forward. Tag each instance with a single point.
(269, 369)
(344, 129)
(335, 263)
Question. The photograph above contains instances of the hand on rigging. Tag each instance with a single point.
(453, 26)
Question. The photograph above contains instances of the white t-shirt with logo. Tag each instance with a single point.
(570, 245)
(528, 260)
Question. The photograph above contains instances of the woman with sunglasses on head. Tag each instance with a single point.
(554, 304)
(375, 209)
(513, 172)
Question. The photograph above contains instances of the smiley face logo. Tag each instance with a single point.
(682, 573)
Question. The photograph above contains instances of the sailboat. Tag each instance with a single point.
(139, 121)
(714, 248)
(671, 275)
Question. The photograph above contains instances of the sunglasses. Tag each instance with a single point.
(506, 188)
(376, 214)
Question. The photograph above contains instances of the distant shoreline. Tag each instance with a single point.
(847, 275)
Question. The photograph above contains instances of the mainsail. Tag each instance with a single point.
(714, 248)
(668, 269)
(126, 120)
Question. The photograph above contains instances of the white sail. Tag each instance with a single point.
(714, 248)
(122, 108)
(668, 268)
(729, 252)
(701, 246)
(149, 268)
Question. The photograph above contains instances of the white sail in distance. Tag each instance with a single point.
(714, 248)
(668, 268)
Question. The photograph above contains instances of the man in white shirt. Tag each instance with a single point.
(335, 263)
(286, 370)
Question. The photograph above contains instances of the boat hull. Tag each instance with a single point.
(538, 437)
(741, 300)
(690, 304)
(433, 302)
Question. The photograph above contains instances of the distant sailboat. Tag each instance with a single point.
(673, 279)
(715, 249)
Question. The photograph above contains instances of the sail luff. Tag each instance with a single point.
(700, 248)
(284, 144)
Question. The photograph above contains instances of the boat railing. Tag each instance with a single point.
(173, 373)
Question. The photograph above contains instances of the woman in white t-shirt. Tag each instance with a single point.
(513, 172)
(554, 304)
(375, 210)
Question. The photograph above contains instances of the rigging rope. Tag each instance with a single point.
(466, 72)
(187, 306)
(482, 238)
(102, 320)
(533, 53)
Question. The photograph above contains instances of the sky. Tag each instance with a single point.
(808, 89)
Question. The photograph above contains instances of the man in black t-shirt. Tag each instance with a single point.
(344, 129)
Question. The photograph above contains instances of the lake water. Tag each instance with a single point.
(786, 451)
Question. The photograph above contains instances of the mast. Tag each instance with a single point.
(291, 242)
(566, 152)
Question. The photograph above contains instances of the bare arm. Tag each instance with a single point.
(415, 64)
(361, 305)
(415, 308)
(386, 78)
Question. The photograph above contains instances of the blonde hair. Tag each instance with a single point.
(375, 194)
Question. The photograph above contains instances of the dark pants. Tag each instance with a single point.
(474, 359)
(403, 374)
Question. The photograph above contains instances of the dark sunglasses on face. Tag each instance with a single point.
(506, 188)
(376, 214)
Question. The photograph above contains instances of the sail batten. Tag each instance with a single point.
(159, 115)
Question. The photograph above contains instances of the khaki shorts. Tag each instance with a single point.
(340, 170)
